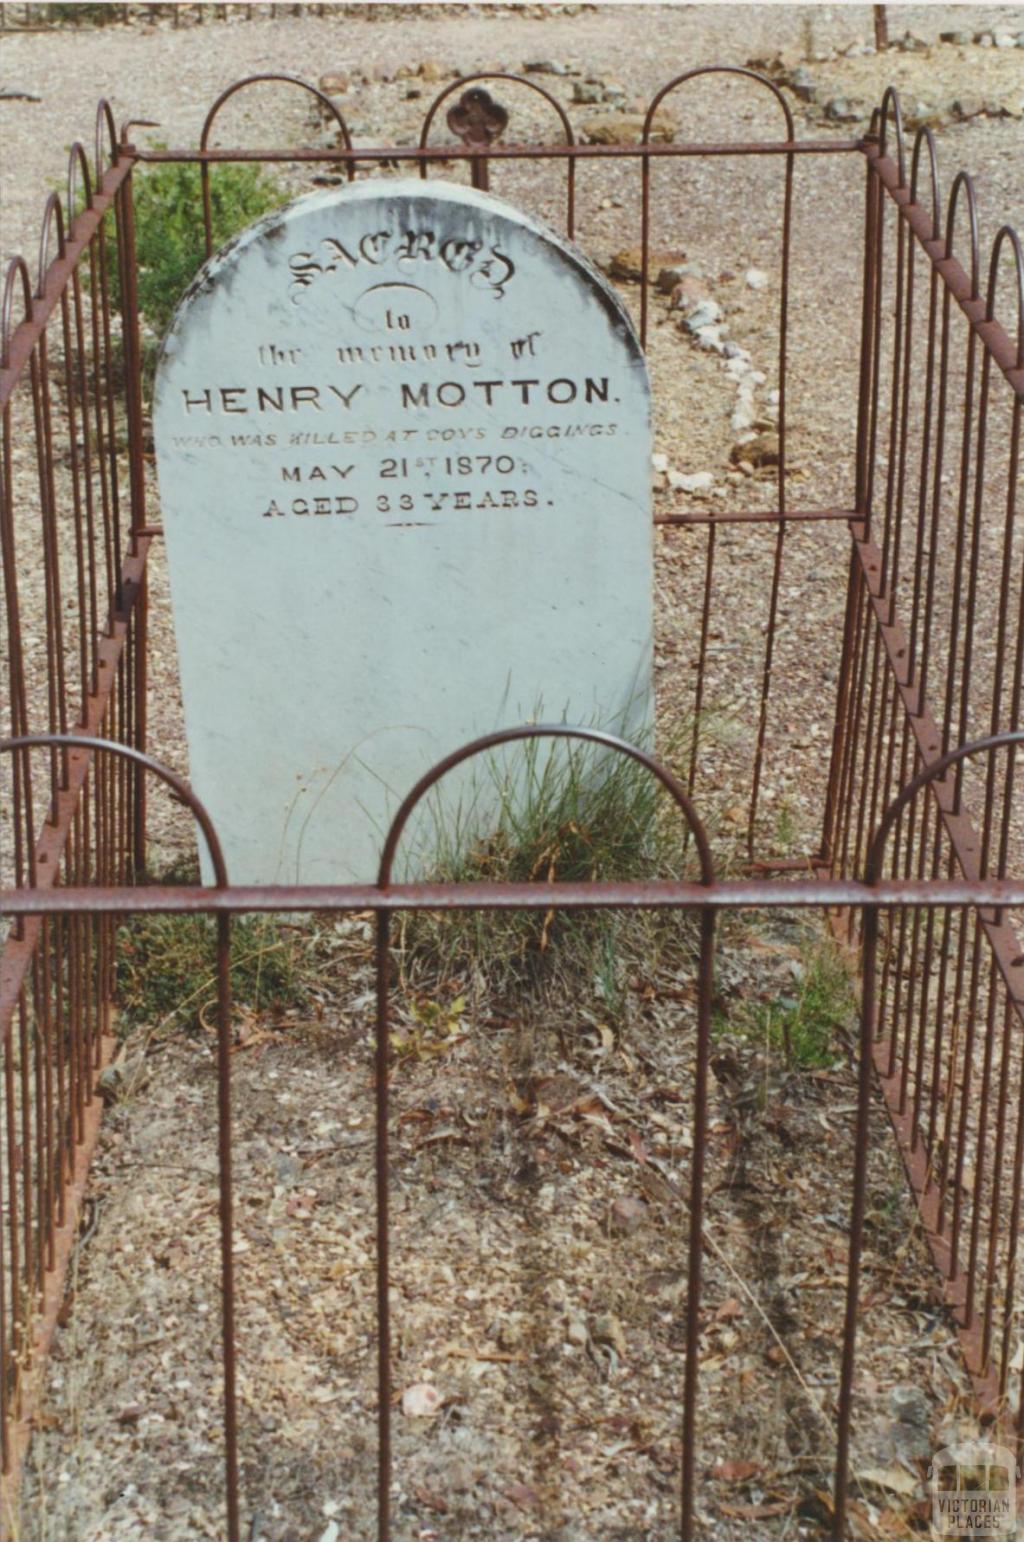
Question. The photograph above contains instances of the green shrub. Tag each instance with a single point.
(96, 15)
(170, 244)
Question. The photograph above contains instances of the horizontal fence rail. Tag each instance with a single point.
(930, 658)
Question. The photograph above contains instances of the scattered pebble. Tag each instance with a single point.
(576, 1332)
(692, 482)
(706, 313)
(627, 128)
(839, 110)
(607, 1329)
(628, 263)
(760, 451)
(627, 1212)
(802, 85)
(675, 274)
(421, 1401)
(688, 292)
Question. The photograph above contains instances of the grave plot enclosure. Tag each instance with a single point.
(880, 730)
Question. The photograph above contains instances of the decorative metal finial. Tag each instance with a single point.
(477, 119)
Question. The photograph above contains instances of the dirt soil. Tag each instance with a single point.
(547, 1313)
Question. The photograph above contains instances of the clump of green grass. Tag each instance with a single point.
(167, 969)
(555, 811)
(808, 1026)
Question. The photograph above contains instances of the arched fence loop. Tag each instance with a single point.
(17, 270)
(934, 772)
(743, 73)
(53, 214)
(532, 731)
(1008, 235)
(327, 105)
(890, 107)
(84, 744)
(105, 123)
(963, 180)
(468, 82)
(91, 753)
(78, 165)
(925, 139)
(695, 827)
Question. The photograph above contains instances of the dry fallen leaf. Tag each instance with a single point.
(523, 1496)
(756, 1512)
(897, 1479)
(735, 1470)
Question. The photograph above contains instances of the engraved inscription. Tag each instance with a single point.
(485, 267)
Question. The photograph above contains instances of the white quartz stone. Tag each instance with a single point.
(693, 482)
(404, 455)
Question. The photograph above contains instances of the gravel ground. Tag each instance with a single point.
(539, 1171)
(514, 1263)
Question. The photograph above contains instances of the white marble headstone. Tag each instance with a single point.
(403, 444)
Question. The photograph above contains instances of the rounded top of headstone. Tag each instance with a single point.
(358, 247)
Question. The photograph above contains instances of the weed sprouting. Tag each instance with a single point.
(804, 1025)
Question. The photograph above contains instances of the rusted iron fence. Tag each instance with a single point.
(921, 831)
(934, 657)
(73, 555)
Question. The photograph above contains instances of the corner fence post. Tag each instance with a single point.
(381, 1073)
(868, 384)
(227, 1259)
(862, 494)
(137, 494)
(869, 963)
(696, 1240)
